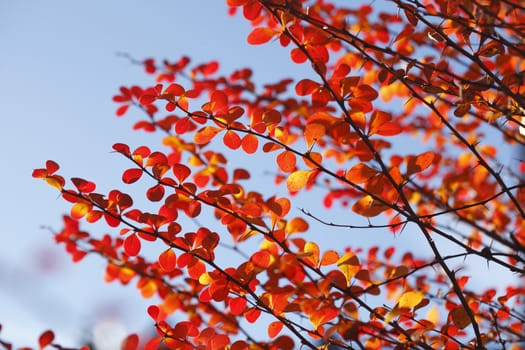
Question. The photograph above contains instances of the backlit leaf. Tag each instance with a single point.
(181, 172)
(250, 143)
(410, 299)
(237, 305)
(260, 36)
(367, 206)
(349, 266)
(205, 135)
(286, 161)
(274, 329)
(131, 175)
(46, 339)
(132, 245)
(231, 139)
(168, 260)
(360, 173)
(298, 179)
(312, 133)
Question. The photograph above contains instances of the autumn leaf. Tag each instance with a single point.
(410, 299)
(298, 179)
(260, 36)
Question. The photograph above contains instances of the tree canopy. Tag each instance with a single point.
(404, 122)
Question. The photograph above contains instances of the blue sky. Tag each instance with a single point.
(59, 69)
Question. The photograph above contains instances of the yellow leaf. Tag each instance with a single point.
(79, 210)
(433, 315)
(410, 299)
(349, 266)
(298, 179)
(313, 250)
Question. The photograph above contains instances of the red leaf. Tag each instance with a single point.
(147, 99)
(260, 36)
(122, 110)
(132, 245)
(130, 343)
(237, 305)
(51, 167)
(155, 193)
(83, 185)
(252, 315)
(45, 339)
(231, 139)
(131, 175)
(181, 172)
(153, 312)
(122, 148)
(168, 260)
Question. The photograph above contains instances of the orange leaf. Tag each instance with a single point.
(168, 260)
(360, 173)
(232, 140)
(260, 36)
(368, 207)
(298, 179)
(313, 132)
(286, 161)
(261, 259)
(320, 317)
(250, 143)
(274, 329)
(420, 162)
(410, 299)
(329, 257)
(45, 339)
(306, 87)
(205, 135)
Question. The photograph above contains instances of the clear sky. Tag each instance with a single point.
(58, 71)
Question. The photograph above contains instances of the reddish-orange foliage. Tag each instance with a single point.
(391, 124)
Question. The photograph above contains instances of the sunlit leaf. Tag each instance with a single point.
(410, 299)
(205, 135)
(298, 179)
(260, 36)
(168, 260)
(131, 175)
(132, 245)
(274, 329)
(46, 339)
